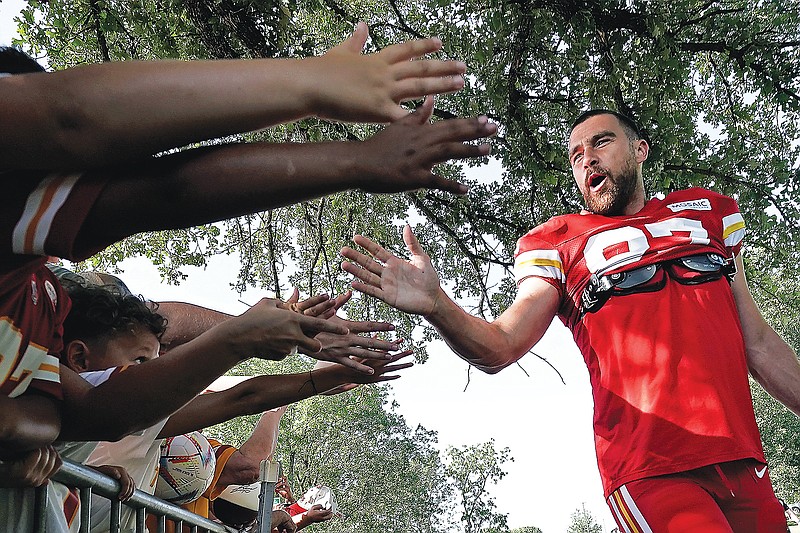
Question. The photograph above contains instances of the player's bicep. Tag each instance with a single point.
(529, 316)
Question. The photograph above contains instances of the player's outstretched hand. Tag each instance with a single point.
(269, 331)
(409, 285)
(118, 473)
(402, 156)
(369, 88)
(32, 469)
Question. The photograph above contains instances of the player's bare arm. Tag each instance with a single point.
(122, 405)
(771, 361)
(413, 286)
(262, 393)
(66, 119)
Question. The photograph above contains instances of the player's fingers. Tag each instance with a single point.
(361, 273)
(411, 242)
(369, 290)
(360, 259)
(375, 250)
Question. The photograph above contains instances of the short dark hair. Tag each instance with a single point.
(15, 61)
(632, 129)
(99, 312)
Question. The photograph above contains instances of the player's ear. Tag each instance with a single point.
(76, 354)
(642, 150)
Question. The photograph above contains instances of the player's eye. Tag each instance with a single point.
(140, 360)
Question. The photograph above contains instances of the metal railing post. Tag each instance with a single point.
(269, 474)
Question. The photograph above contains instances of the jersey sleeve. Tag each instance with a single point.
(222, 452)
(46, 213)
(535, 257)
(733, 227)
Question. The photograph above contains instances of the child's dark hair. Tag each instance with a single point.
(15, 61)
(102, 312)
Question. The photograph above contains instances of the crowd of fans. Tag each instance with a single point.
(96, 375)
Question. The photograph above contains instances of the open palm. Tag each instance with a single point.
(409, 285)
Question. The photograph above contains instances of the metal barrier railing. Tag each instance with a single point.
(89, 481)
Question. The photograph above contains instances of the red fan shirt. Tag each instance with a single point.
(41, 216)
(667, 367)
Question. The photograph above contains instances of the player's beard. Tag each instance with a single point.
(616, 193)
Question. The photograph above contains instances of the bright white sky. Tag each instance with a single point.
(547, 425)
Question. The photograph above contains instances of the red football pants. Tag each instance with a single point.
(728, 497)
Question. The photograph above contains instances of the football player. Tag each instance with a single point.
(655, 295)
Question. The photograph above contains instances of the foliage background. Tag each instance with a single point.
(713, 83)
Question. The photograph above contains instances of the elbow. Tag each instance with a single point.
(492, 362)
(491, 369)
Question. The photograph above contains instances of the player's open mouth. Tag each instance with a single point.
(595, 181)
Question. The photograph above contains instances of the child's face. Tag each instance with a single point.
(124, 349)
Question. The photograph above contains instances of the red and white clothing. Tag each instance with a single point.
(667, 368)
(41, 216)
(138, 453)
(733, 497)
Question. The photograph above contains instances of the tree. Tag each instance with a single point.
(715, 85)
(583, 522)
(471, 469)
(386, 476)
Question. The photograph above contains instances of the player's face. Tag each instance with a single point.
(605, 165)
(129, 348)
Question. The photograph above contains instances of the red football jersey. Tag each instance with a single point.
(667, 367)
(41, 216)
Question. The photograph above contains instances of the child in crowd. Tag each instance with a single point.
(79, 175)
(107, 334)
